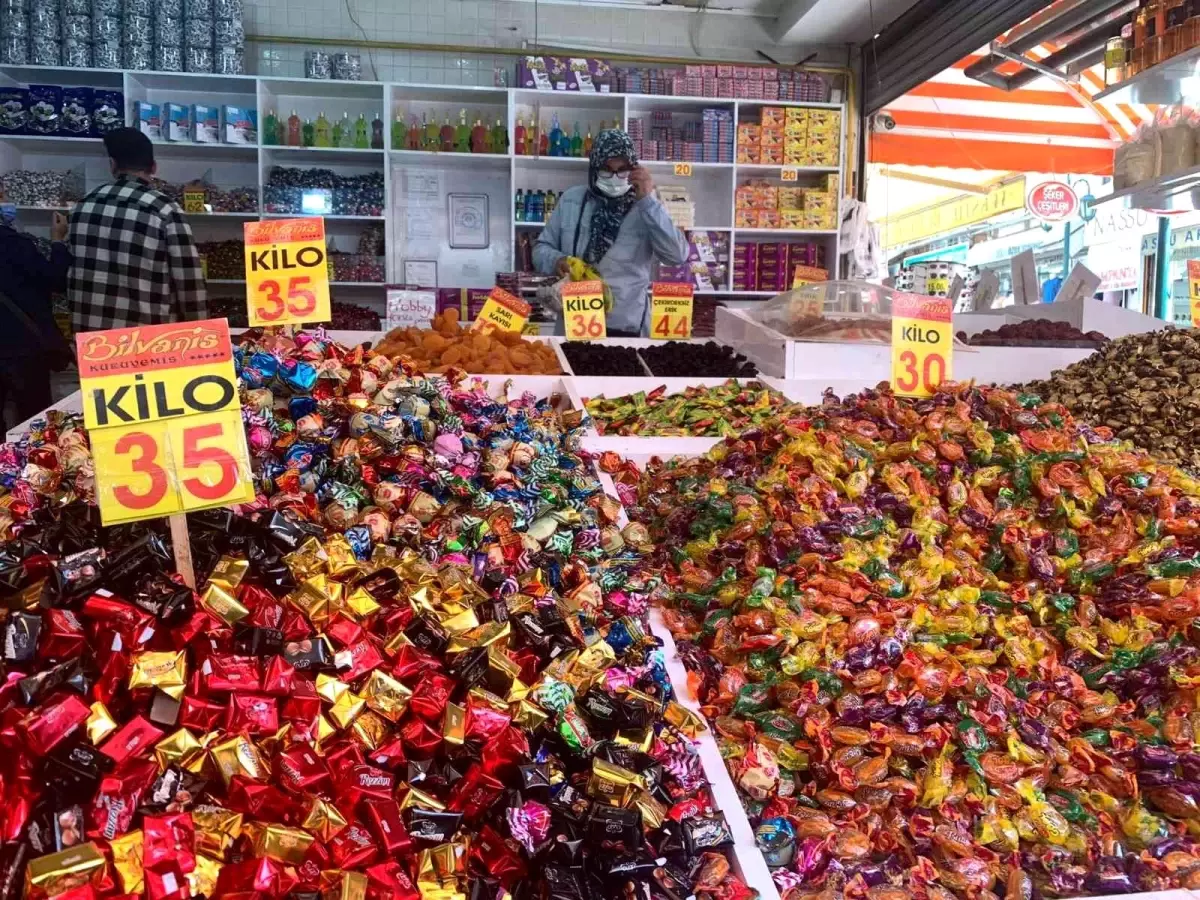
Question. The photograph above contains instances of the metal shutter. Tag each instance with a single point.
(932, 35)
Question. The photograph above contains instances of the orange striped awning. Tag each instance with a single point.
(1046, 126)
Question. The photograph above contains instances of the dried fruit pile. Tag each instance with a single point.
(949, 646)
(718, 411)
(448, 345)
(707, 360)
(1145, 387)
(587, 358)
(419, 667)
(1034, 333)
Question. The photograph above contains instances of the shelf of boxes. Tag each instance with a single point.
(417, 182)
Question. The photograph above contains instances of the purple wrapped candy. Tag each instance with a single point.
(530, 824)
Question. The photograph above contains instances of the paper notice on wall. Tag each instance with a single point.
(1025, 285)
(1081, 284)
(422, 188)
(410, 308)
(418, 225)
(986, 290)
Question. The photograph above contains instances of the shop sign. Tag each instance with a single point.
(909, 228)
(164, 419)
(1118, 263)
(670, 311)
(1052, 201)
(922, 350)
(502, 311)
(583, 311)
(287, 272)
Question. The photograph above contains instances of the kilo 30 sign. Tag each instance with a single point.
(164, 419)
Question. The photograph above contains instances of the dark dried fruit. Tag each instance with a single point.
(708, 360)
(601, 359)
(1034, 333)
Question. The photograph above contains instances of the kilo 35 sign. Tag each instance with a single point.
(164, 419)
(287, 276)
(922, 339)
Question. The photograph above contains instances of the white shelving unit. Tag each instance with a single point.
(416, 182)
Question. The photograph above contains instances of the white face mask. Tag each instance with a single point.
(612, 185)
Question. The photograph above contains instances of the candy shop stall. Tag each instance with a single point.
(450, 611)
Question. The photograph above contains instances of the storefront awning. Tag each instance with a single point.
(1048, 126)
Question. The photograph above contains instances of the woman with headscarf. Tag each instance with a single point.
(617, 225)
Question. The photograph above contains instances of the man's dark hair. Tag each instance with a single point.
(130, 150)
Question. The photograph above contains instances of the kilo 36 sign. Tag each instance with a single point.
(164, 419)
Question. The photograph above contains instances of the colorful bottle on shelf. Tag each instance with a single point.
(377, 133)
(293, 130)
(539, 207)
(446, 137)
(480, 140)
(270, 129)
(531, 138)
(361, 140)
(415, 133)
(433, 135)
(519, 142)
(462, 134)
(399, 133)
(322, 134)
(543, 142)
(308, 133)
(528, 217)
(500, 137)
(519, 206)
(587, 144)
(347, 137)
(576, 142)
(556, 137)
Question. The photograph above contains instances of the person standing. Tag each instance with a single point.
(135, 259)
(31, 269)
(616, 224)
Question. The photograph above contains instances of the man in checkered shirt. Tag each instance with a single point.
(135, 259)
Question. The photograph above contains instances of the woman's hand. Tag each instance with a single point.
(58, 227)
(642, 181)
(563, 268)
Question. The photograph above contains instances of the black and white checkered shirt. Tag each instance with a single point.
(135, 259)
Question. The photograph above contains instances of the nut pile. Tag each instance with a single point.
(710, 360)
(1034, 333)
(1145, 387)
(599, 359)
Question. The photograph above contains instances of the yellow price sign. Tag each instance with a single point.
(938, 284)
(683, 170)
(922, 344)
(789, 173)
(1193, 270)
(193, 202)
(502, 311)
(583, 311)
(670, 311)
(164, 419)
(287, 272)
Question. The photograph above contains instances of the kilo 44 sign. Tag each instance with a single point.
(1052, 201)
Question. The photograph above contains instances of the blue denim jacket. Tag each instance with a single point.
(647, 233)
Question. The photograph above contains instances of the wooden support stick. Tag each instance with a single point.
(181, 541)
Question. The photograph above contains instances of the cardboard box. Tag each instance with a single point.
(206, 124)
(772, 156)
(179, 122)
(791, 197)
(745, 218)
(148, 117)
(773, 117)
(790, 217)
(768, 218)
(239, 125)
(749, 154)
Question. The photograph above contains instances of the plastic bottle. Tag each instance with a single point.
(308, 133)
(293, 130)
(399, 133)
(415, 132)
(531, 139)
(576, 142)
(539, 207)
(462, 134)
(543, 142)
(360, 133)
(556, 137)
(446, 137)
(321, 131)
(480, 140)
(587, 144)
(519, 146)
(529, 208)
(519, 206)
(377, 133)
(270, 129)
(551, 202)
(347, 137)
(433, 135)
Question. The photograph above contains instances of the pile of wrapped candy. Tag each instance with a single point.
(718, 411)
(949, 646)
(417, 665)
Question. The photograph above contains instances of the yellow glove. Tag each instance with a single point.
(578, 270)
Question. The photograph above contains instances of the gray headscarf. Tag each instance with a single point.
(607, 212)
